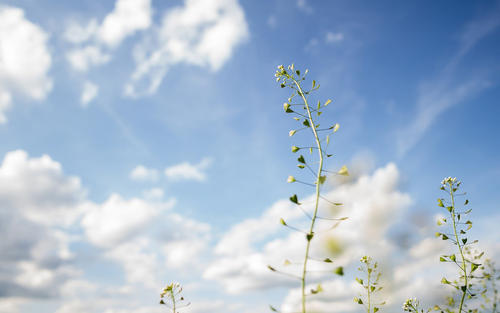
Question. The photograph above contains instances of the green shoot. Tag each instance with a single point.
(172, 295)
(308, 117)
(371, 285)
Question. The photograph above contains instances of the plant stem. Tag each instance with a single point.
(464, 264)
(318, 186)
(368, 288)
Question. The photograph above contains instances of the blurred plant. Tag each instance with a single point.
(371, 284)
(489, 291)
(466, 259)
(172, 295)
(308, 117)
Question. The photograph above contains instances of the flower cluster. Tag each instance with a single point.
(410, 305)
(450, 181)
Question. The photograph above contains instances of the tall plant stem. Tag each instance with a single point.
(460, 248)
(310, 234)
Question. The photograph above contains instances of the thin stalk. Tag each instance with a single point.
(368, 288)
(464, 265)
(318, 186)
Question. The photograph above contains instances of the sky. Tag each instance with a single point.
(144, 142)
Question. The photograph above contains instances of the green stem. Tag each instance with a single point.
(464, 264)
(318, 186)
(368, 288)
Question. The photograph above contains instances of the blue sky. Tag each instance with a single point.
(145, 141)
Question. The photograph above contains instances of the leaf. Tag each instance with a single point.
(469, 225)
(301, 159)
(339, 271)
(328, 102)
(294, 199)
(319, 105)
(343, 171)
(292, 132)
(474, 267)
(291, 179)
(336, 127)
(282, 221)
(328, 139)
(322, 179)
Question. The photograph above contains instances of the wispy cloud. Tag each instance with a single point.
(439, 94)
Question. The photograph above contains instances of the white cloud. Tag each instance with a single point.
(153, 194)
(38, 187)
(142, 173)
(202, 33)
(118, 219)
(83, 58)
(304, 6)
(89, 93)
(333, 37)
(37, 203)
(372, 204)
(95, 42)
(188, 171)
(127, 17)
(23, 45)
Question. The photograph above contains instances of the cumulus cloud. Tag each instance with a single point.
(23, 45)
(142, 173)
(94, 42)
(201, 32)
(39, 188)
(118, 219)
(370, 202)
(89, 93)
(188, 171)
(37, 202)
